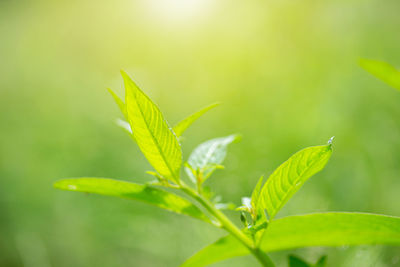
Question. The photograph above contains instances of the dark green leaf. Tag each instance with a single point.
(321, 262)
(295, 261)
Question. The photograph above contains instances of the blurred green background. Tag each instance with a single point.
(286, 72)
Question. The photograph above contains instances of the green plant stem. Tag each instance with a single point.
(230, 227)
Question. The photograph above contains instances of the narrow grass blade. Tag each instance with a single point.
(152, 133)
(291, 175)
(181, 126)
(144, 193)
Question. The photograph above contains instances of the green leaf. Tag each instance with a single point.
(225, 248)
(295, 261)
(312, 230)
(331, 229)
(321, 262)
(119, 102)
(145, 193)
(383, 71)
(181, 126)
(208, 156)
(152, 133)
(255, 196)
(291, 175)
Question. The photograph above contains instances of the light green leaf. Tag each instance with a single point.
(225, 248)
(383, 71)
(119, 102)
(331, 229)
(312, 230)
(145, 193)
(291, 175)
(152, 133)
(255, 196)
(295, 261)
(181, 126)
(208, 156)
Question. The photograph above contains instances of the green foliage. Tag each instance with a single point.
(181, 126)
(291, 175)
(160, 145)
(207, 157)
(383, 71)
(119, 102)
(152, 133)
(319, 229)
(321, 262)
(145, 193)
(295, 261)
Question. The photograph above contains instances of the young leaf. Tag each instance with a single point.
(295, 261)
(145, 193)
(119, 102)
(181, 126)
(255, 196)
(383, 71)
(152, 133)
(291, 175)
(312, 230)
(208, 156)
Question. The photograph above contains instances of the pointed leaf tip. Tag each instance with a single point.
(181, 126)
(330, 141)
(288, 178)
(152, 133)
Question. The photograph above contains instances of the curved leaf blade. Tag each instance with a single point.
(291, 175)
(225, 248)
(181, 126)
(329, 229)
(128, 190)
(151, 131)
(119, 102)
(208, 156)
(382, 70)
(255, 196)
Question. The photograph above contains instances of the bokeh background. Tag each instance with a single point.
(286, 72)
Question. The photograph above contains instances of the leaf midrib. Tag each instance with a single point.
(286, 194)
(152, 135)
